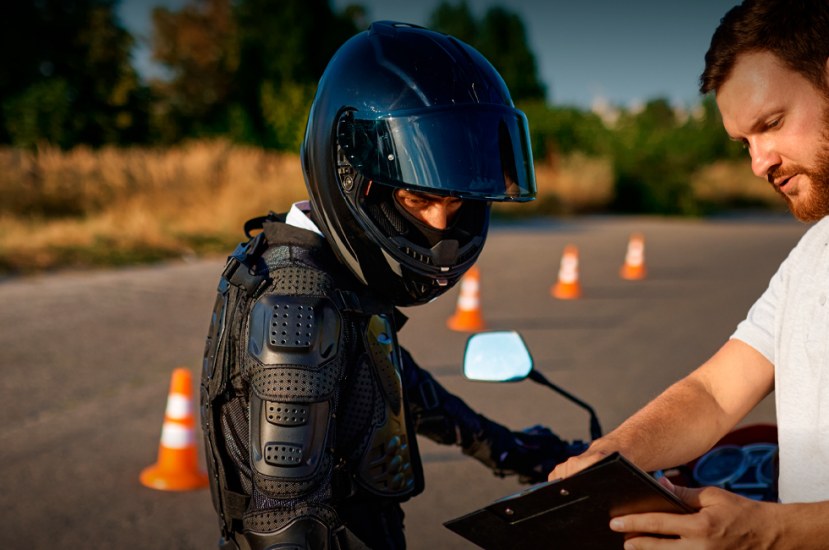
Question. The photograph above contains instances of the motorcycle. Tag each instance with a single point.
(744, 461)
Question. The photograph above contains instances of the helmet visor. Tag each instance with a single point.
(478, 152)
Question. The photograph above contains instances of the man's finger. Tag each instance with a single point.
(655, 523)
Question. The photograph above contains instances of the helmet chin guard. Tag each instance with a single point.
(400, 106)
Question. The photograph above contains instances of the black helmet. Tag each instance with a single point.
(400, 106)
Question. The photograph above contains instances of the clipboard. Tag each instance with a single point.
(569, 513)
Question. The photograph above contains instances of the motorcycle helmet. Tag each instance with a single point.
(403, 107)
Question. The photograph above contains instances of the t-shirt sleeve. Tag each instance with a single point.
(765, 317)
(757, 329)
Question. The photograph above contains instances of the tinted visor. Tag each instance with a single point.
(479, 151)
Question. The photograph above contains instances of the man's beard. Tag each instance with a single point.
(815, 205)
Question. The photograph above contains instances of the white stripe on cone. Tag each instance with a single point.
(569, 272)
(176, 436)
(178, 407)
(468, 299)
(636, 253)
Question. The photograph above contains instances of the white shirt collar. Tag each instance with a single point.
(298, 216)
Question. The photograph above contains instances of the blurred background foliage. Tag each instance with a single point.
(78, 123)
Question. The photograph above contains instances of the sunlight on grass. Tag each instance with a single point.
(112, 206)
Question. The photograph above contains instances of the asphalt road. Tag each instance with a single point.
(86, 360)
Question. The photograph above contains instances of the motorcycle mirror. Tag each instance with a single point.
(499, 356)
(502, 356)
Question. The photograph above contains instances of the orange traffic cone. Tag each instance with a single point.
(467, 317)
(634, 266)
(568, 287)
(177, 466)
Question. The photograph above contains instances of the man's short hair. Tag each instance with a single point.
(796, 31)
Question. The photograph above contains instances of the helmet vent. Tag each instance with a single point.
(417, 256)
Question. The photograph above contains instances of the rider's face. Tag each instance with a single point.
(782, 119)
(434, 210)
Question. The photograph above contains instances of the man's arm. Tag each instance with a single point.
(690, 416)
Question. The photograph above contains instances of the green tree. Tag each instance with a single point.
(455, 19)
(647, 179)
(246, 68)
(503, 40)
(655, 152)
(284, 112)
(501, 37)
(558, 130)
(285, 46)
(704, 134)
(198, 45)
(59, 58)
(41, 113)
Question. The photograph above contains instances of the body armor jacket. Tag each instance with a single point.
(303, 405)
(309, 407)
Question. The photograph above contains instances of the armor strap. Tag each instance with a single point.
(258, 223)
(244, 268)
(357, 303)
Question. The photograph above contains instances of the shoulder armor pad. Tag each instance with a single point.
(294, 330)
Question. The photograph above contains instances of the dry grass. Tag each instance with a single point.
(732, 183)
(582, 183)
(574, 184)
(112, 206)
(85, 207)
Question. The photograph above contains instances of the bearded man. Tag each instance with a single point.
(768, 65)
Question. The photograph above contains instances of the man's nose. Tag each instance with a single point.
(437, 216)
(764, 157)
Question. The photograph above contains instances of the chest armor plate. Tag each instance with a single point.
(389, 464)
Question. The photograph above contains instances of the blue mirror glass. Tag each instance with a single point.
(500, 356)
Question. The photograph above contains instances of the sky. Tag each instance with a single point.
(589, 53)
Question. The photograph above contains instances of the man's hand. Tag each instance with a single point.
(532, 452)
(724, 520)
(577, 463)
